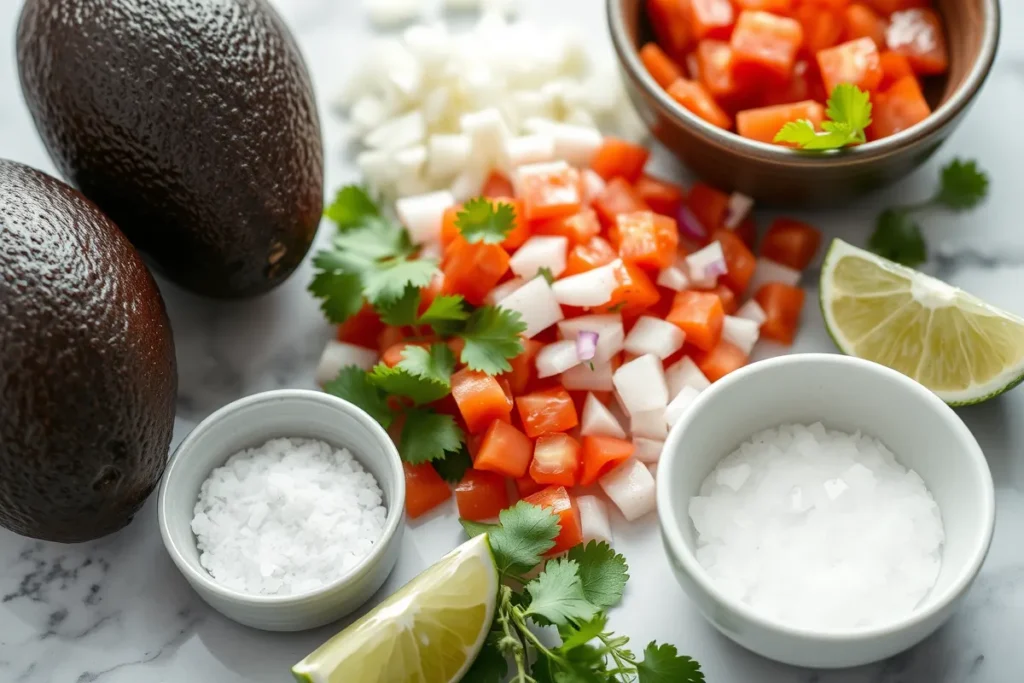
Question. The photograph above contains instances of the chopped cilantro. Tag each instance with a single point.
(482, 220)
(849, 113)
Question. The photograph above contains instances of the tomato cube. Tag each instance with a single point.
(740, 262)
(662, 196)
(481, 495)
(558, 500)
(583, 257)
(917, 34)
(728, 297)
(618, 196)
(700, 315)
(547, 411)
(578, 228)
(894, 67)
(857, 62)
(822, 27)
(635, 293)
(647, 239)
(898, 108)
(708, 205)
(481, 399)
(720, 361)
(783, 305)
(522, 367)
(764, 123)
(497, 186)
(661, 67)
(620, 159)
(711, 18)
(362, 329)
(860, 21)
(764, 45)
(504, 450)
(774, 6)
(695, 98)
(424, 489)
(601, 454)
(791, 243)
(556, 460)
(472, 269)
(714, 58)
(887, 7)
(671, 22)
(526, 486)
(549, 190)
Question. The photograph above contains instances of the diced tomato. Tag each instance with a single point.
(729, 303)
(894, 67)
(764, 123)
(556, 460)
(833, 5)
(497, 186)
(388, 337)
(473, 269)
(392, 355)
(860, 21)
(774, 6)
(887, 7)
(618, 197)
(708, 205)
(803, 84)
(747, 231)
(715, 60)
(520, 231)
(917, 35)
(601, 454)
(662, 196)
(699, 101)
(661, 67)
(783, 305)
(700, 315)
(898, 108)
(740, 262)
(647, 239)
(583, 257)
(424, 489)
(549, 190)
(822, 27)
(522, 366)
(481, 495)
(855, 62)
(636, 292)
(764, 45)
(449, 225)
(362, 328)
(620, 159)
(671, 22)
(547, 411)
(720, 361)
(791, 243)
(480, 398)
(558, 500)
(711, 18)
(504, 450)
(526, 486)
(578, 228)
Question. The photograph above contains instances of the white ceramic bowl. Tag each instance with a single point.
(248, 423)
(847, 394)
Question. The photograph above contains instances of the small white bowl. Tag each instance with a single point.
(847, 394)
(251, 422)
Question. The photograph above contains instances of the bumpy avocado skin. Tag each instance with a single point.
(191, 123)
(87, 368)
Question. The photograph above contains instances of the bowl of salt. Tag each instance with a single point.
(824, 511)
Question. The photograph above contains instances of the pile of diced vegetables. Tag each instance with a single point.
(541, 340)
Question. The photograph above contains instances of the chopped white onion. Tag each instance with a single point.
(368, 112)
(654, 336)
(500, 292)
(752, 311)
(593, 185)
(592, 288)
(447, 155)
(685, 373)
(422, 215)
(741, 332)
(586, 344)
(398, 133)
(630, 487)
(598, 420)
(556, 358)
(536, 303)
(586, 378)
(468, 184)
(771, 271)
(462, 5)
(649, 425)
(528, 149)
(576, 144)
(488, 133)
(673, 278)
(338, 355)
(594, 522)
(377, 167)
(388, 13)
(680, 404)
(648, 450)
(540, 252)
(703, 267)
(738, 209)
(641, 385)
(611, 334)
(409, 162)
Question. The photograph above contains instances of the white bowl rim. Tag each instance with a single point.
(674, 537)
(395, 516)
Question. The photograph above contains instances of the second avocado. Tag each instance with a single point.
(191, 123)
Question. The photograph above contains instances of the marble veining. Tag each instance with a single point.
(117, 610)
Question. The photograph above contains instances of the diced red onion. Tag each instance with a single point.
(715, 268)
(690, 226)
(586, 345)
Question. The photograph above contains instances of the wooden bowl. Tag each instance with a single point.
(782, 176)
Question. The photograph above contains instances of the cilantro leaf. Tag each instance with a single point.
(482, 220)
(352, 206)
(802, 134)
(388, 280)
(492, 338)
(454, 465)
(474, 529)
(898, 237)
(664, 664)
(490, 665)
(422, 375)
(427, 435)
(849, 111)
(603, 573)
(963, 185)
(342, 295)
(574, 635)
(403, 310)
(546, 273)
(557, 595)
(353, 385)
(526, 533)
(583, 664)
(444, 308)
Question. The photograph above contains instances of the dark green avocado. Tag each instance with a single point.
(87, 369)
(191, 123)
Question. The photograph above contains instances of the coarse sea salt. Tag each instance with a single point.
(287, 517)
(819, 529)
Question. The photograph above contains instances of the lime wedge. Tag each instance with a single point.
(430, 631)
(963, 349)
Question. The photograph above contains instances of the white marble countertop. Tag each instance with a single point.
(117, 611)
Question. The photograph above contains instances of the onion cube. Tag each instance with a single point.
(387, 13)
(422, 215)
(338, 355)
(446, 155)
(398, 133)
(535, 302)
(680, 404)
(584, 378)
(611, 334)
(528, 149)
(641, 385)
(376, 166)
(654, 336)
(368, 112)
(598, 420)
(685, 373)
(631, 487)
(576, 144)
(752, 311)
(502, 291)
(649, 425)
(586, 290)
(540, 252)
(673, 278)
(594, 522)
(771, 271)
(738, 209)
(593, 185)
(741, 332)
(703, 267)
(488, 132)
(556, 358)
(647, 450)
(468, 184)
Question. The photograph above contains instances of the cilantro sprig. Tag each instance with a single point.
(571, 594)
(898, 236)
(849, 113)
(483, 220)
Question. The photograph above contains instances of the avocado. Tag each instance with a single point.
(87, 369)
(191, 123)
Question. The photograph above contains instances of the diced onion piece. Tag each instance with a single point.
(528, 149)
(467, 185)
(673, 278)
(422, 215)
(654, 336)
(630, 487)
(593, 185)
(462, 5)
(584, 378)
(598, 420)
(387, 13)
(689, 226)
(488, 133)
(540, 252)
(398, 133)
(648, 450)
(586, 345)
(771, 271)
(680, 404)
(594, 522)
(446, 155)
(589, 289)
(409, 161)
(610, 333)
(539, 125)
(556, 358)
(641, 385)
(703, 267)
(368, 112)
(500, 292)
(649, 425)
(536, 303)
(738, 209)
(652, 467)
(741, 332)
(685, 373)
(752, 311)
(576, 144)
(338, 355)
(377, 167)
